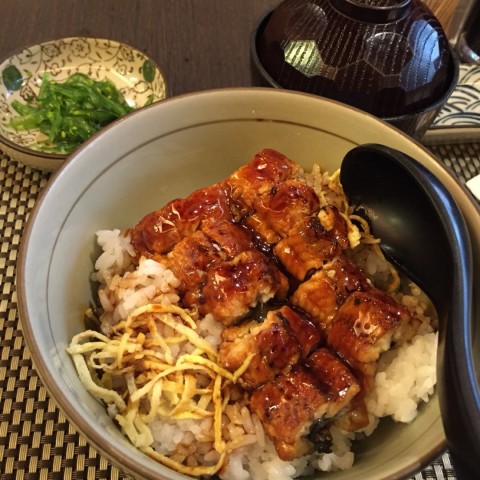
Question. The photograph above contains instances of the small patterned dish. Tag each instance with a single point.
(134, 74)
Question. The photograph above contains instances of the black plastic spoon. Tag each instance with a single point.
(424, 234)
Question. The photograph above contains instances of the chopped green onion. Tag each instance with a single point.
(70, 112)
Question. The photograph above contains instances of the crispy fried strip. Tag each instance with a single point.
(217, 422)
(108, 396)
(187, 328)
(179, 467)
(121, 348)
(143, 356)
(133, 426)
(160, 341)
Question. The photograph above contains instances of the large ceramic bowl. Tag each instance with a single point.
(165, 151)
(132, 72)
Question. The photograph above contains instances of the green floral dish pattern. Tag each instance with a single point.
(136, 76)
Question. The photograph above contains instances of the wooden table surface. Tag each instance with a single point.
(198, 44)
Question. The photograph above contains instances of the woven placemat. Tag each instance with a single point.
(36, 440)
(462, 159)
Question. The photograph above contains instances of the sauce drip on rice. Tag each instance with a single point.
(275, 261)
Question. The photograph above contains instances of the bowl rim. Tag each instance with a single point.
(265, 75)
(40, 364)
(61, 157)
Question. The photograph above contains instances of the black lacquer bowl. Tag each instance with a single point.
(390, 58)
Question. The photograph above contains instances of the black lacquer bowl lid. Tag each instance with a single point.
(386, 57)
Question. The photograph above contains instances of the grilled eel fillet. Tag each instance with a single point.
(261, 235)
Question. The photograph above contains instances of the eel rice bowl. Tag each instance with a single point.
(254, 329)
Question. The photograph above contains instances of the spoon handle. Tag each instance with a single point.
(423, 232)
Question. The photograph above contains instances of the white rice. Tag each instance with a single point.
(123, 288)
(405, 377)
